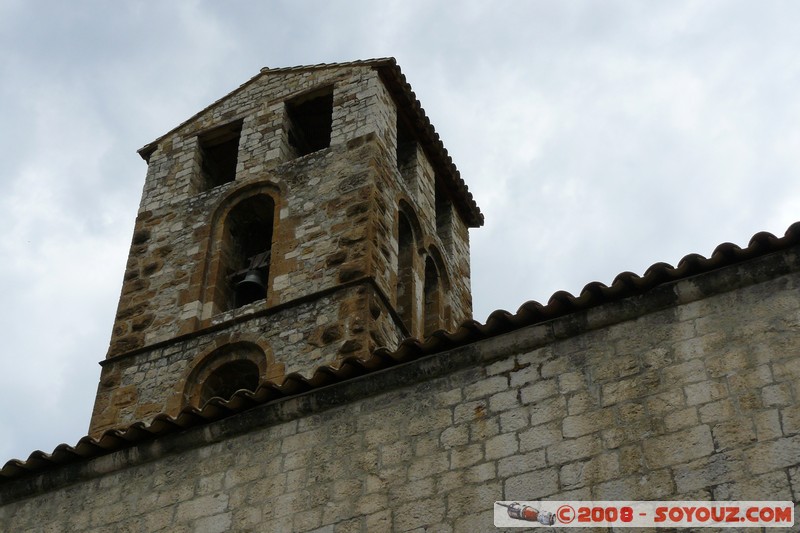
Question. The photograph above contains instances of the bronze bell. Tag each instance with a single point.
(251, 289)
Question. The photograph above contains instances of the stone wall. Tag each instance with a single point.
(689, 392)
(336, 208)
(333, 223)
(299, 337)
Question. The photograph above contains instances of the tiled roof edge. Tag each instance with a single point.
(499, 322)
(432, 143)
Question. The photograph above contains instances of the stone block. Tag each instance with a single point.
(469, 498)
(631, 459)
(540, 436)
(423, 467)
(685, 372)
(768, 424)
(736, 433)
(571, 382)
(649, 486)
(394, 453)
(776, 395)
(547, 410)
(501, 446)
(630, 388)
(486, 387)
(521, 463)
(469, 411)
(422, 488)
(773, 486)
(532, 485)
(573, 449)
(514, 420)
(704, 392)
(709, 471)
(437, 419)
(589, 473)
(716, 411)
(466, 456)
(214, 524)
(790, 420)
(503, 401)
(480, 473)
(679, 447)
(682, 419)
(590, 422)
(455, 436)
(523, 376)
(380, 521)
(203, 506)
(773, 455)
(539, 391)
(580, 402)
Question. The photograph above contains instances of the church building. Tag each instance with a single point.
(294, 348)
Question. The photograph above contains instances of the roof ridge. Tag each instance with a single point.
(378, 61)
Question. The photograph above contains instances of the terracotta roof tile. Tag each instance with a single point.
(499, 322)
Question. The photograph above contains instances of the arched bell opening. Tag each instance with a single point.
(246, 252)
(433, 298)
(405, 273)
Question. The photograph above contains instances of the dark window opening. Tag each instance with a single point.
(220, 149)
(444, 214)
(310, 121)
(229, 378)
(406, 150)
(246, 252)
(433, 296)
(405, 273)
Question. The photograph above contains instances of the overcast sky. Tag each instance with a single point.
(596, 136)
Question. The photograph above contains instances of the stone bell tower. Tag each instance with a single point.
(310, 215)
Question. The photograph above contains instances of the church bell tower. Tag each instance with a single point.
(310, 215)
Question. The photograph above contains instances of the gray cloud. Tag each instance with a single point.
(597, 138)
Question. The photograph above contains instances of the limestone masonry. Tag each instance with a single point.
(290, 237)
(317, 168)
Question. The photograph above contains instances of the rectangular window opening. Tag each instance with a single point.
(220, 149)
(310, 119)
(406, 150)
(444, 216)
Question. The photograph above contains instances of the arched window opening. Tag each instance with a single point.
(229, 378)
(433, 297)
(405, 273)
(246, 252)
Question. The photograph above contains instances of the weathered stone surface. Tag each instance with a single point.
(688, 392)
(678, 447)
(333, 223)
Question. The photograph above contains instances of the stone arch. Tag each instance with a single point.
(437, 257)
(223, 368)
(404, 208)
(436, 284)
(243, 227)
(409, 234)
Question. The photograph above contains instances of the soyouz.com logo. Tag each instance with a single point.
(643, 514)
